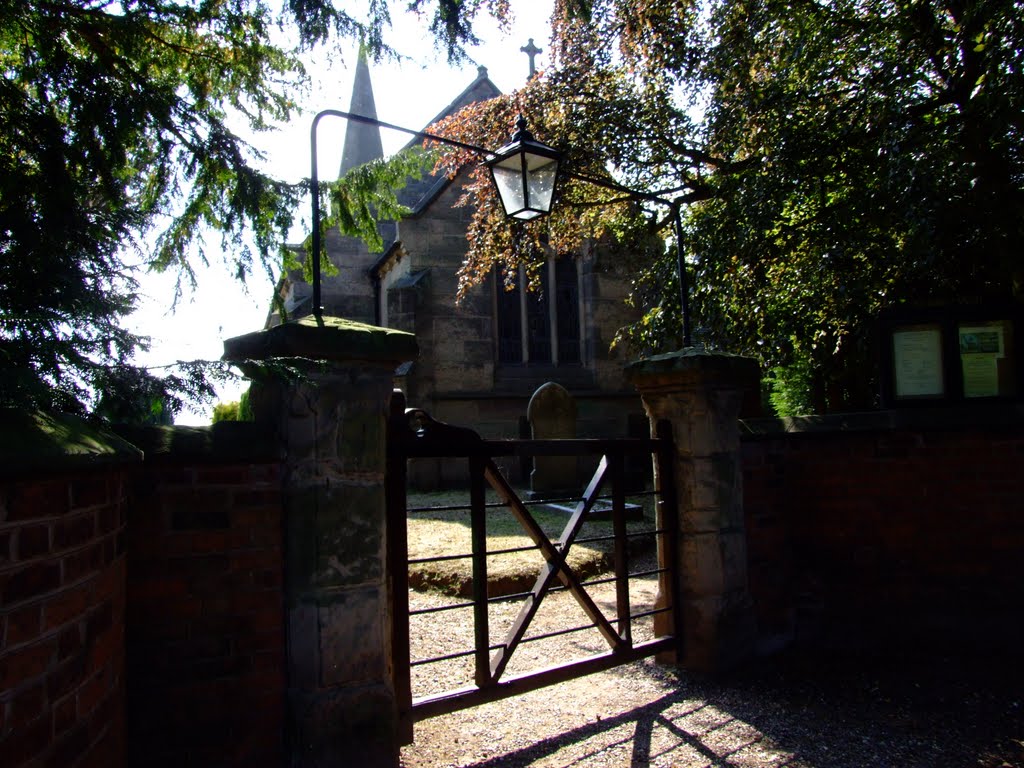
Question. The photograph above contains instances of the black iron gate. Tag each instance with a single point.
(414, 434)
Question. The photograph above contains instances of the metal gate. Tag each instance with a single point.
(414, 434)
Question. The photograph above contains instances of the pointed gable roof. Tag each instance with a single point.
(417, 195)
(420, 194)
(362, 141)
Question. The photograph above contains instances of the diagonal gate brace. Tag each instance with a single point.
(555, 554)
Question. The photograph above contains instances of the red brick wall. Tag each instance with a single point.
(62, 590)
(879, 529)
(206, 681)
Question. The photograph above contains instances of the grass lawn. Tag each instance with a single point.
(439, 531)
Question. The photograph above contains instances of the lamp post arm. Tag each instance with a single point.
(356, 118)
(314, 190)
(661, 196)
(674, 204)
(632, 194)
(314, 181)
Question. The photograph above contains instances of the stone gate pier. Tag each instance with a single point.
(700, 394)
(322, 386)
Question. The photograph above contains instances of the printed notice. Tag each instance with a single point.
(981, 348)
(917, 355)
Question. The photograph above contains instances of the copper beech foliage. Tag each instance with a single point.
(494, 242)
(833, 159)
(599, 121)
(610, 102)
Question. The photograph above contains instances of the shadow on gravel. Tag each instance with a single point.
(817, 710)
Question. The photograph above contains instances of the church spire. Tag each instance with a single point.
(362, 141)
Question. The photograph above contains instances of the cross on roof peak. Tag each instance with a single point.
(531, 50)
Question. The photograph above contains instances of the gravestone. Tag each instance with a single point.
(552, 416)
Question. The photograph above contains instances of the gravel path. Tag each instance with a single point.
(801, 710)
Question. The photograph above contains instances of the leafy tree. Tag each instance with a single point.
(245, 412)
(115, 133)
(833, 159)
(577, 110)
(226, 412)
(235, 410)
(136, 397)
(889, 138)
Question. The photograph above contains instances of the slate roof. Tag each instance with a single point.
(420, 194)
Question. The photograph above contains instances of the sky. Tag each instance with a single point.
(408, 95)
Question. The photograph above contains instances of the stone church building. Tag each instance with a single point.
(480, 360)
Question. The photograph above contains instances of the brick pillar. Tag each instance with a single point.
(329, 414)
(700, 395)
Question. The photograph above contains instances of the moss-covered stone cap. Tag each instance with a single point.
(31, 440)
(695, 360)
(325, 338)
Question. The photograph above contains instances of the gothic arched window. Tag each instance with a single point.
(541, 327)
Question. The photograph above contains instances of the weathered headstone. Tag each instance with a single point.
(552, 416)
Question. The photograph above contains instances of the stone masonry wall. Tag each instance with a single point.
(328, 422)
(62, 602)
(911, 532)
